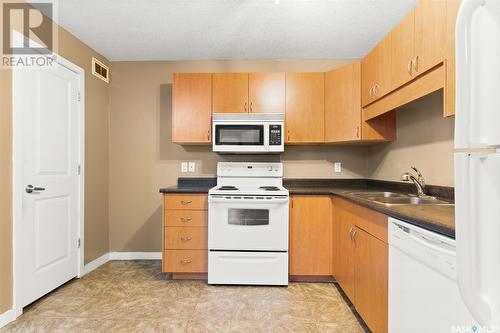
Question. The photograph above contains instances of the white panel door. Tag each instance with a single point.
(47, 113)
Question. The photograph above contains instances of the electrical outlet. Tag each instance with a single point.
(184, 167)
(337, 167)
(192, 166)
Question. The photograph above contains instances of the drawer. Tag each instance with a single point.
(183, 218)
(186, 238)
(185, 261)
(185, 201)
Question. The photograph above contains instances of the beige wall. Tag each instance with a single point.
(143, 159)
(425, 140)
(96, 162)
(6, 190)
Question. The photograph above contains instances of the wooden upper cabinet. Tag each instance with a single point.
(376, 74)
(452, 7)
(403, 51)
(191, 108)
(371, 280)
(230, 93)
(343, 104)
(430, 34)
(266, 92)
(305, 108)
(311, 235)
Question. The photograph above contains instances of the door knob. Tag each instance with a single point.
(30, 189)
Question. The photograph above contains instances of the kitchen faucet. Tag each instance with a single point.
(419, 181)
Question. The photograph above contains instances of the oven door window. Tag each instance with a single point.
(239, 135)
(248, 216)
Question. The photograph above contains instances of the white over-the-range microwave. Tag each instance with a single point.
(248, 133)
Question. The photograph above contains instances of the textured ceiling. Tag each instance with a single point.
(231, 29)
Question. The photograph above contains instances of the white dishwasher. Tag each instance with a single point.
(423, 290)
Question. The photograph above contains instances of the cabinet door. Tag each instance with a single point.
(371, 280)
(230, 92)
(191, 108)
(343, 250)
(403, 51)
(310, 235)
(343, 104)
(375, 73)
(305, 108)
(266, 92)
(430, 34)
(452, 7)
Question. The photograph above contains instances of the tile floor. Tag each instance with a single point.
(134, 296)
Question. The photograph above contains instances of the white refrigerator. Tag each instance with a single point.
(477, 159)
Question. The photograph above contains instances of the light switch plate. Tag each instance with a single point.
(184, 167)
(192, 166)
(337, 167)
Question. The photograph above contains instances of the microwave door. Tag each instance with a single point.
(239, 138)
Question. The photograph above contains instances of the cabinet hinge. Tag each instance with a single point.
(79, 243)
(79, 169)
(79, 96)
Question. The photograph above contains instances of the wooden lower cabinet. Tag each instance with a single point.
(185, 261)
(371, 279)
(310, 235)
(360, 260)
(185, 233)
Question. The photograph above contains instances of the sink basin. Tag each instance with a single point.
(373, 194)
(411, 201)
(394, 198)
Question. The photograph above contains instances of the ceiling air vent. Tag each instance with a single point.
(100, 70)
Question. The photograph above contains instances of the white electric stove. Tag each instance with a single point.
(248, 225)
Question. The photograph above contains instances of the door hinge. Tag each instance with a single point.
(79, 243)
(79, 169)
(79, 95)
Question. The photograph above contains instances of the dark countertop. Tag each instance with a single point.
(436, 218)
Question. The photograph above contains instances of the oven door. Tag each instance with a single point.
(248, 223)
(239, 137)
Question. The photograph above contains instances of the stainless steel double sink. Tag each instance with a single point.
(394, 198)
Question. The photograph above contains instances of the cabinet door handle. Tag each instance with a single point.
(409, 67)
(186, 219)
(375, 89)
(370, 92)
(357, 132)
(208, 135)
(186, 238)
(415, 64)
(186, 261)
(350, 233)
(288, 135)
(185, 202)
(251, 106)
(354, 235)
(245, 106)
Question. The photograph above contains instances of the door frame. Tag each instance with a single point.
(17, 167)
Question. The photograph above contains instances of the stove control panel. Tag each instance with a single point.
(275, 136)
(250, 169)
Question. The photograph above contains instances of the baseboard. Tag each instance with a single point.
(95, 264)
(9, 316)
(134, 255)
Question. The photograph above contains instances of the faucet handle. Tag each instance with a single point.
(405, 177)
(421, 178)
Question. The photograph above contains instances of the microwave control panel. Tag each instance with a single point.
(275, 135)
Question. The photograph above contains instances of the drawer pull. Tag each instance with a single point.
(185, 238)
(185, 202)
(186, 219)
(186, 261)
